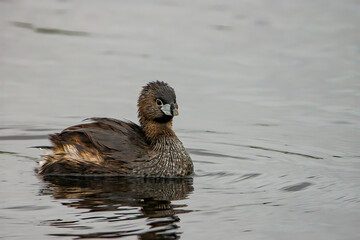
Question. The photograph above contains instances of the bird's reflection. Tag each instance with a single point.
(128, 199)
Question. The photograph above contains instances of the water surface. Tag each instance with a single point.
(268, 96)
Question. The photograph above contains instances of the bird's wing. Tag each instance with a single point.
(108, 142)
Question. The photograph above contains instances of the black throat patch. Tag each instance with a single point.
(163, 119)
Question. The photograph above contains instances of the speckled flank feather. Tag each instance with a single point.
(110, 146)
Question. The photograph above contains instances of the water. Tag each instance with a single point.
(268, 96)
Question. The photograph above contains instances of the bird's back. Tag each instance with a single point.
(104, 146)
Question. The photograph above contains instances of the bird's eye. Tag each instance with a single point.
(159, 102)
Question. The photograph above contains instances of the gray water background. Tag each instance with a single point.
(268, 96)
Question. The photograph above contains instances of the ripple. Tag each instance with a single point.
(284, 152)
(44, 30)
(272, 150)
(215, 174)
(297, 187)
(203, 152)
(28, 208)
(246, 176)
(23, 137)
(113, 234)
(5, 152)
(39, 129)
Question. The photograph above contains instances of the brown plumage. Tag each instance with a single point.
(112, 147)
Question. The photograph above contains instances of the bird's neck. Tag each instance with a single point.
(157, 132)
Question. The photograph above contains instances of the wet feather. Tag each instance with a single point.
(111, 146)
